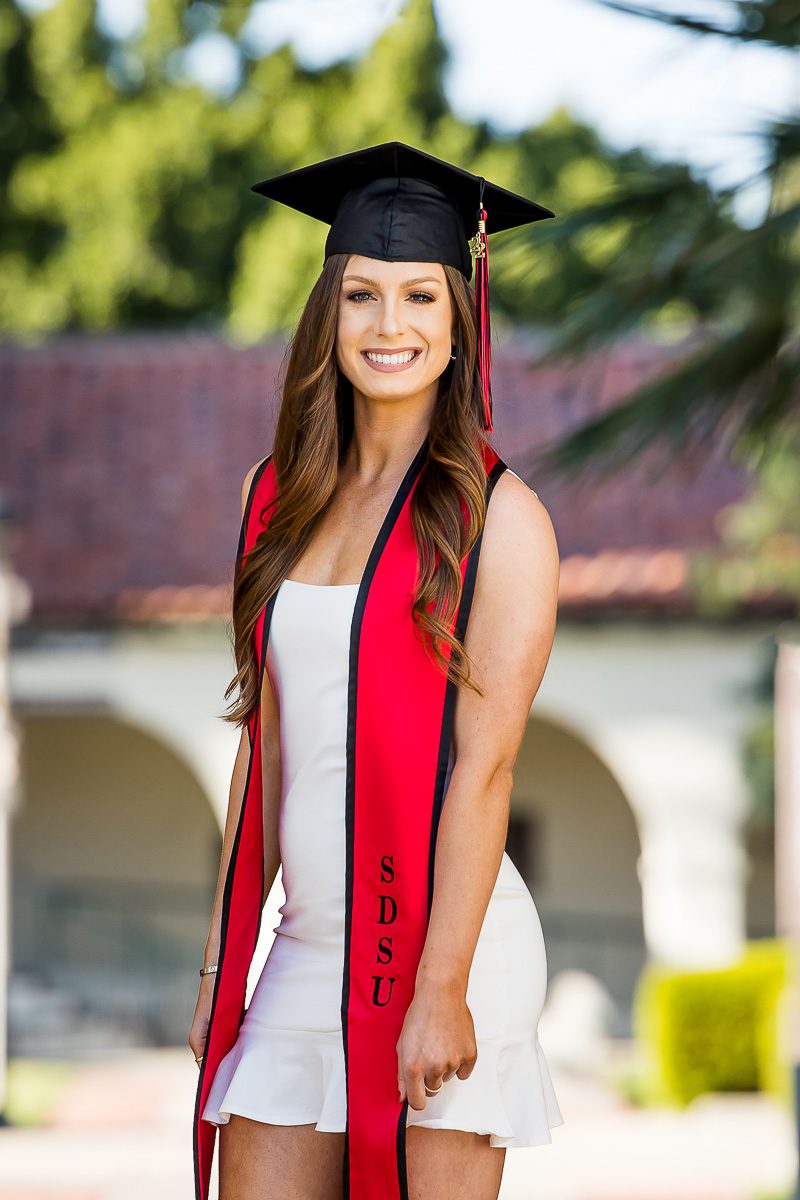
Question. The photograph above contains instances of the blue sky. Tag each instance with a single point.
(637, 82)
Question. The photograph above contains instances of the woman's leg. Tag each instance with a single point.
(258, 1161)
(451, 1164)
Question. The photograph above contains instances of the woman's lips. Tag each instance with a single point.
(389, 367)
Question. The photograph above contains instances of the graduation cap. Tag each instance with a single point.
(399, 204)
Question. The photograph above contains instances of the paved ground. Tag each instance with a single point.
(122, 1131)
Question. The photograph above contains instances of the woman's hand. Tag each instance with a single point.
(202, 1011)
(437, 1041)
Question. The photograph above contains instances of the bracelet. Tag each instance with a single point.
(208, 970)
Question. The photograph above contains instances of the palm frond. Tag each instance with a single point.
(768, 22)
(747, 379)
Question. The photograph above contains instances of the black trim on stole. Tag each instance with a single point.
(448, 716)
(229, 877)
(464, 610)
(382, 538)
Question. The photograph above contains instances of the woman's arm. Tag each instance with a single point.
(509, 637)
(271, 791)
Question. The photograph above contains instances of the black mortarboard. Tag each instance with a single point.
(397, 203)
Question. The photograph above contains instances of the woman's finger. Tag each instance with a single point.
(415, 1087)
(418, 1079)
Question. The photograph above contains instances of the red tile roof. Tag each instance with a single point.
(123, 458)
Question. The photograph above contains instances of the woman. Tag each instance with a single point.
(392, 628)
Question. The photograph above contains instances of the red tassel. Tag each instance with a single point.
(481, 251)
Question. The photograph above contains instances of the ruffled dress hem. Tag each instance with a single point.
(297, 1077)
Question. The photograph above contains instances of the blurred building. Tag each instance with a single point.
(123, 457)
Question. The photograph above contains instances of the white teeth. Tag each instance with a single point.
(391, 358)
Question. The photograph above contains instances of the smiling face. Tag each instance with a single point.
(393, 337)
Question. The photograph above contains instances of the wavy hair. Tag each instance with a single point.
(314, 426)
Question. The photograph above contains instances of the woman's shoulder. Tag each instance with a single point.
(517, 523)
(512, 498)
(251, 479)
(508, 471)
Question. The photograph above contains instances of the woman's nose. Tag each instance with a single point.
(388, 319)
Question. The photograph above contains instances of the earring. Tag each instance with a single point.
(452, 356)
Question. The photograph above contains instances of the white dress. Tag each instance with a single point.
(287, 1066)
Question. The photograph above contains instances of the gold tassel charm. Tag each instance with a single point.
(477, 243)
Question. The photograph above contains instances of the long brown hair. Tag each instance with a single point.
(313, 430)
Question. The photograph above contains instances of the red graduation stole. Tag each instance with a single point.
(399, 725)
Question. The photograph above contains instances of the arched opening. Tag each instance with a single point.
(573, 837)
(114, 860)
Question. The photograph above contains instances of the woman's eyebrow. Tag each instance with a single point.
(408, 282)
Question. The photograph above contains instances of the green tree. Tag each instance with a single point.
(128, 202)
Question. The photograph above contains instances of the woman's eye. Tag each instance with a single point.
(424, 297)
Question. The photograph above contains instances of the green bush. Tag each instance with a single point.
(34, 1086)
(715, 1030)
